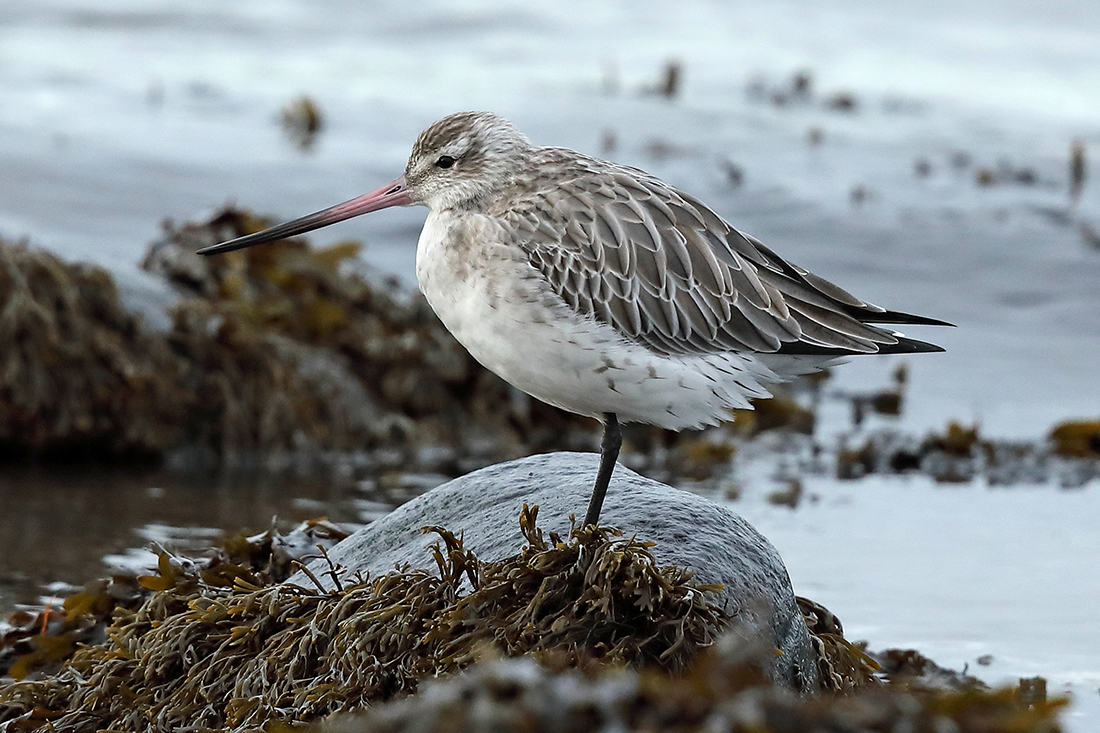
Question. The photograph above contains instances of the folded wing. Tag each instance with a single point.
(668, 273)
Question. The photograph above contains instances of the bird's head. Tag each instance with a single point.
(465, 159)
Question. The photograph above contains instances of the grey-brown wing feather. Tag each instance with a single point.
(667, 272)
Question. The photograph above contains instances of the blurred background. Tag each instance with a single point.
(930, 156)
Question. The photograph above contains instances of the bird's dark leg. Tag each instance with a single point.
(609, 453)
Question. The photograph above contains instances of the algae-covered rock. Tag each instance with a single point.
(1077, 439)
(585, 632)
(216, 646)
(686, 530)
(79, 376)
(721, 691)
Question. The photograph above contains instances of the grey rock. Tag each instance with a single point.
(688, 530)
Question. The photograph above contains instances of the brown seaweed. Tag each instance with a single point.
(571, 633)
(79, 376)
(220, 647)
(722, 690)
(1077, 439)
(302, 121)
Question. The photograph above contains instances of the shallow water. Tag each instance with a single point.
(956, 572)
(118, 115)
(59, 525)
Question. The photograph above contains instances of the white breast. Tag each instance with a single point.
(504, 312)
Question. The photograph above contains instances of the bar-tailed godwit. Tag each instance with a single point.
(599, 289)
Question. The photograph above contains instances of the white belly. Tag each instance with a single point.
(503, 311)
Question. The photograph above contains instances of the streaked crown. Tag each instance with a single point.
(465, 159)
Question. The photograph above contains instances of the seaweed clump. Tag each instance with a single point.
(82, 378)
(960, 454)
(722, 690)
(1077, 439)
(79, 377)
(577, 633)
(302, 121)
(38, 642)
(218, 648)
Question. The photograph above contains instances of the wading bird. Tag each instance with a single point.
(599, 289)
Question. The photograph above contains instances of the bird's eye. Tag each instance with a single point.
(445, 161)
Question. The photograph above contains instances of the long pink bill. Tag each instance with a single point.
(392, 194)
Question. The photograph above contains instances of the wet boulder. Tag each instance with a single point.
(686, 530)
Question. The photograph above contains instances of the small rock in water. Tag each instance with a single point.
(1090, 235)
(802, 83)
(788, 497)
(1025, 176)
(735, 174)
(609, 140)
(1078, 170)
(858, 195)
(960, 159)
(673, 72)
(842, 102)
(302, 122)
